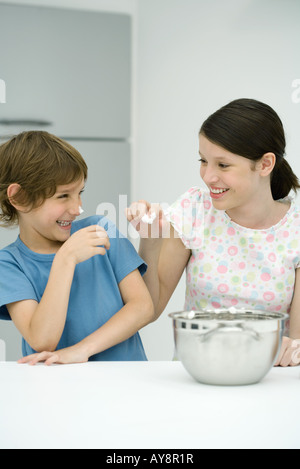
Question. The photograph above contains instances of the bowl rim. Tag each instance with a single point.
(235, 316)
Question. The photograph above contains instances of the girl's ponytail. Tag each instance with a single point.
(283, 180)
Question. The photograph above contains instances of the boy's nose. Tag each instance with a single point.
(76, 210)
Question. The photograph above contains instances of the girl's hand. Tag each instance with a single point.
(63, 357)
(158, 227)
(289, 354)
(86, 243)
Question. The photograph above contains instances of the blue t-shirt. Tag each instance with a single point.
(94, 298)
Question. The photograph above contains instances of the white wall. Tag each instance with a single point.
(193, 57)
(118, 6)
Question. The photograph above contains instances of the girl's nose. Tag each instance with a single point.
(209, 176)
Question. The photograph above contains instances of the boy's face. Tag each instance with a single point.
(47, 227)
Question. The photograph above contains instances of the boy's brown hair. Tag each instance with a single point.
(38, 162)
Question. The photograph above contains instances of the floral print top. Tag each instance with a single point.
(234, 266)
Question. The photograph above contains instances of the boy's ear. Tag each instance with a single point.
(12, 192)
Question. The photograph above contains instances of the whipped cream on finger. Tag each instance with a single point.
(149, 218)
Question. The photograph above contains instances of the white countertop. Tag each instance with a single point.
(151, 405)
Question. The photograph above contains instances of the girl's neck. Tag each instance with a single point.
(260, 215)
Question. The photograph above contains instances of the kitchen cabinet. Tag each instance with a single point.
(66, 71)
(108, 180)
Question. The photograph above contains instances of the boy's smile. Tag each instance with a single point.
(46, 228)
(65, 225)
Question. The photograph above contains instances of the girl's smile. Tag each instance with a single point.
(217, 193)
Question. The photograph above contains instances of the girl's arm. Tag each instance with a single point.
(136, 313)
(42, 324)
(163, 252)
(167, 260)
(161, 249)
(290, 350)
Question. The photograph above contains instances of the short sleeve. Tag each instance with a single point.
(185, 215)
(122, 254)
(14, 285)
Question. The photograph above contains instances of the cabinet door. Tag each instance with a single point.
(107, 189)
(66, 71)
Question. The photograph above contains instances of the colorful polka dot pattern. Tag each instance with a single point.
(235, 266)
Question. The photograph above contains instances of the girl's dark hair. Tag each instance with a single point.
(249, 128)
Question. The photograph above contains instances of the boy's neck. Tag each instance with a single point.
(38, 244)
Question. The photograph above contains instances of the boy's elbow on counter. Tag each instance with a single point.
(45, 348)
(39, 345)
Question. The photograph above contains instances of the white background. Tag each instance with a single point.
(190, 57)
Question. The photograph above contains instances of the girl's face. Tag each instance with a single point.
(232, 180)
(47, 227)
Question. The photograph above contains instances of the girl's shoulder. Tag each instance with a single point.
(292, 219)
(190, 213)
(193, 197)
(195, 194)
(295, 208)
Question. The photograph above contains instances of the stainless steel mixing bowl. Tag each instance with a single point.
(228, 346)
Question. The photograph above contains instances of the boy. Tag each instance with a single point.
(73, 289)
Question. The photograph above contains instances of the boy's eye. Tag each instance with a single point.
(224, 166)
(202, 160)
(63, 196)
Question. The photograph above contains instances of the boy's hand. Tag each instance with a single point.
(86, 243)
(63, 357)
(289, 354)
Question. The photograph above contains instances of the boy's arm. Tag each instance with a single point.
(290, 349)
(42, 324)
(137, 312)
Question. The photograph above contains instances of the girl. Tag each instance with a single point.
(239, 241)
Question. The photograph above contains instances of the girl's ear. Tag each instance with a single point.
(12, 191)
(266, 164)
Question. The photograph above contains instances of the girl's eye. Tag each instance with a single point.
(63, 196)
(224, 166)
(202, 161)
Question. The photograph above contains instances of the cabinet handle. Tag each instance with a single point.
(24, 122)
